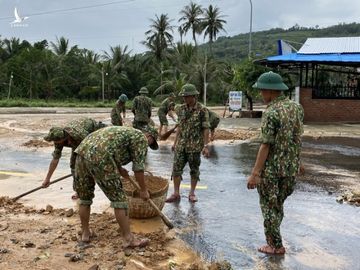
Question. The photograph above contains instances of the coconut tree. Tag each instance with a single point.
(160, 32)
(191, 19)
(118, 57)
(159, 39)
(212, 24)
(61, 47)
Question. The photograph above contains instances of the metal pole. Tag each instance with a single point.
(205, 80)
(10, 82)
(103, 83)
(251, 9)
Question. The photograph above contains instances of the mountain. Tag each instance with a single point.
(264, 43)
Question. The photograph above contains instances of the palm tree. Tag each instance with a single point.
(212, 24)
(118, 57)
(181, 32)
(191, 19)
(159, 39)
(160, 33)
(61, 47)
(174, 85)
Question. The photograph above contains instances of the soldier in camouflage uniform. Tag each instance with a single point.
(214, 121)
(142, 106)
(166, 107)
(119, 108)
(190, 141)
(69, 136)
(278, 159)
(100, 158)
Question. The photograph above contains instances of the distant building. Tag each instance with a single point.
(329, 77)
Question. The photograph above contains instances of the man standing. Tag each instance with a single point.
(99, 160)
(69, 136)
(278, 159)
(119, 108)
(166, 107)
(190, 141)
(142, 106)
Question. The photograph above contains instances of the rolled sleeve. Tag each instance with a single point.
(268, 128)
(57, 152)
(205, 121)
(138, 153)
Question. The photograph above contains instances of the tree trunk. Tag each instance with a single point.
(250, 102)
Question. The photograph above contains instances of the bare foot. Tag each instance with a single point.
(173, 198)
(136, 242)
(271, 250)
(75, 196)
(85, 236)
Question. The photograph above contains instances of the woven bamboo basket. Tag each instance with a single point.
(138, 208)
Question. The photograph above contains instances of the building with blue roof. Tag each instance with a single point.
(328, 71)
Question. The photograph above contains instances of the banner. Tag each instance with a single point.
(235, 100)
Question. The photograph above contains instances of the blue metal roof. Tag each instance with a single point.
(324, 57)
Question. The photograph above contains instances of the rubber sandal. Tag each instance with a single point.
(192, 198)
(173, 198)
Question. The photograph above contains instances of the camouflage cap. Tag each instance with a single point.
(55, 134)
(123, 98)
(143, 90)
(154, 133)
(188, 90)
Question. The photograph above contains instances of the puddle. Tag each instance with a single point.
(226, 223)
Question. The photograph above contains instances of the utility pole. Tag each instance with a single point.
(251, 9)
(10, 83)
(103, 83)
(205, 80)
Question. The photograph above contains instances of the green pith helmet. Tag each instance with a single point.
(188, 90)
(123, 98)
(55, 134)
(143, 90)
(270, 81)
(172, 95)
(154, 133)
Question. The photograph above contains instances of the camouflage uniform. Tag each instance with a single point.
(77, 130)
(100, 155)
(192, 123)
(214, 120)
(281, 128)
(142, 111)
(164, 110)
(116, 118)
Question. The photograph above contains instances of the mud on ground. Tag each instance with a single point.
(49, 239)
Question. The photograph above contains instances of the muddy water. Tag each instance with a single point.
(226, 223)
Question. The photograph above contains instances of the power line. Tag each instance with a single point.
(72, 9)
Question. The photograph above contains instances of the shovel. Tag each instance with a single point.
(41, 187)
(163, 217)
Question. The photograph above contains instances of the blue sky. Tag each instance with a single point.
(125, 22)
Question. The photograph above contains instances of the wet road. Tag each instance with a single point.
(226, 223)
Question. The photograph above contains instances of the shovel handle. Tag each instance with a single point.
(163, 216)
(41, 187)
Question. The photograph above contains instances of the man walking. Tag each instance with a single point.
(69, 136)
(278, 158)
(142, 106)
(166, 108)
(99, 160)
(190, 141)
